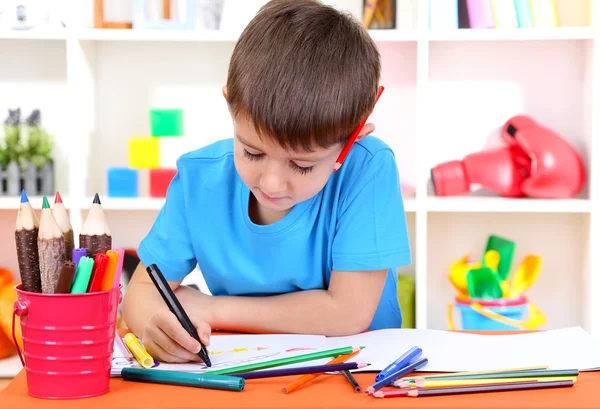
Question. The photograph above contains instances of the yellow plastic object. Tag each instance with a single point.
(526, 274)
(458, 274)
(491, 259)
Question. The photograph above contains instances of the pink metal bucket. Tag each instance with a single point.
(67, 342)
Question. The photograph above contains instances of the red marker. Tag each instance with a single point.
(100, 264)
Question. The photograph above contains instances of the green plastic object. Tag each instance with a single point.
(166, 122)
(406, 299)
(83, 274)
(484, 283)
(223, 382)
(506, 249)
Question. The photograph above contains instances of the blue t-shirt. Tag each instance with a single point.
(356, 222)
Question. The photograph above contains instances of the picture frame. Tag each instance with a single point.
(141, 21)
(99, 21)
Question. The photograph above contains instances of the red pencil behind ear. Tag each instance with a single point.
(348, 146)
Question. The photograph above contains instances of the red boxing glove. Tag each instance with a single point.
(557, 171)
(500, 170)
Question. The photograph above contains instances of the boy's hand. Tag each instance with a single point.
(166, 340)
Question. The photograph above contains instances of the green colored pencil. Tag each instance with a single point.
(508, 374)
(286, 361)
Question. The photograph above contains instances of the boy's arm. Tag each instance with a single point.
(347, 307)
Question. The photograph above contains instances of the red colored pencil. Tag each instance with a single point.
(350, 143)
(100, 264)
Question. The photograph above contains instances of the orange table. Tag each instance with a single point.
(327, 391)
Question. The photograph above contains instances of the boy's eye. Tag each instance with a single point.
(252, 156)
(300, 169)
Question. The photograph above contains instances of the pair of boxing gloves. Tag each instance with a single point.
(536, 162)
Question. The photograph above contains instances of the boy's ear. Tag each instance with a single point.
(225, 92)
(367, 130)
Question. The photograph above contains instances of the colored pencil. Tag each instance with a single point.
(51, 249)
(515, 374)
(123, 347)
(472, 389)
(397, 374)
(455, 374)
(352, 381)
(427, 384)
(287, 361)
(301, 370)
(26, 240)
(309, 377)
(95, 236)
(62, 218)
(352, 139)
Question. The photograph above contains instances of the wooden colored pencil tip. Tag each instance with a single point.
(45, 204)
(97, 199)
(24, 198)
(57, 198)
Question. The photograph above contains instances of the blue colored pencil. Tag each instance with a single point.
(397, 374)
(301, 370)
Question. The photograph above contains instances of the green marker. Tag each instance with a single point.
(230, 383)
(82, 276)
(287, 361)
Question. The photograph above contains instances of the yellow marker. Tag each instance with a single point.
(138, 351)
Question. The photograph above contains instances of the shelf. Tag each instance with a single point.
(41, 34)
(117, 203)
(517, 34)
(498, 204)
(157, 35)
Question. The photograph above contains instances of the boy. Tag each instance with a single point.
(285, 244)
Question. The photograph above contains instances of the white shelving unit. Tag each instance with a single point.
(447, 94)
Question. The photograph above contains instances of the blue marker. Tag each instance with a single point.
(408, 357)
(397, 374)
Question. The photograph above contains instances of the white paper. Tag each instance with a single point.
(446, 351)
(234, 350)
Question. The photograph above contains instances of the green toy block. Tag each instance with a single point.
(506, 249)
(144, 153)
(166, 122)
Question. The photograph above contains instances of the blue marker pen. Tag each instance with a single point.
(408, 357)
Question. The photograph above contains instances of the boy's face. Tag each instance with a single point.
(279, 179)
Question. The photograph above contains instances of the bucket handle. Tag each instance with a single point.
(21, 309)
(536, 317)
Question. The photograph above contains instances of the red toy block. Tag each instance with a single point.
(160, 180)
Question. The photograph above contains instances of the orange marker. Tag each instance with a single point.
(309, 377)
(111, 270)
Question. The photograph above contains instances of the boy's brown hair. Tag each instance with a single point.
(304, 74)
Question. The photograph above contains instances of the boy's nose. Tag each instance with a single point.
(272, 183)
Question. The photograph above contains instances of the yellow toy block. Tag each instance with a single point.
(144, 153)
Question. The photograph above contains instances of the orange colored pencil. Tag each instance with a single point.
(309, 377)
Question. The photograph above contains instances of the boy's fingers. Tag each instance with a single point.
(204, 331)
(173, 329)
(159, 353)
(172, 348)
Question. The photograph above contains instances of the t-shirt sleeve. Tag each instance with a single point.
(168, 244)
(371, 232)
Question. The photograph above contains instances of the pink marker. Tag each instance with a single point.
(119, 267)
